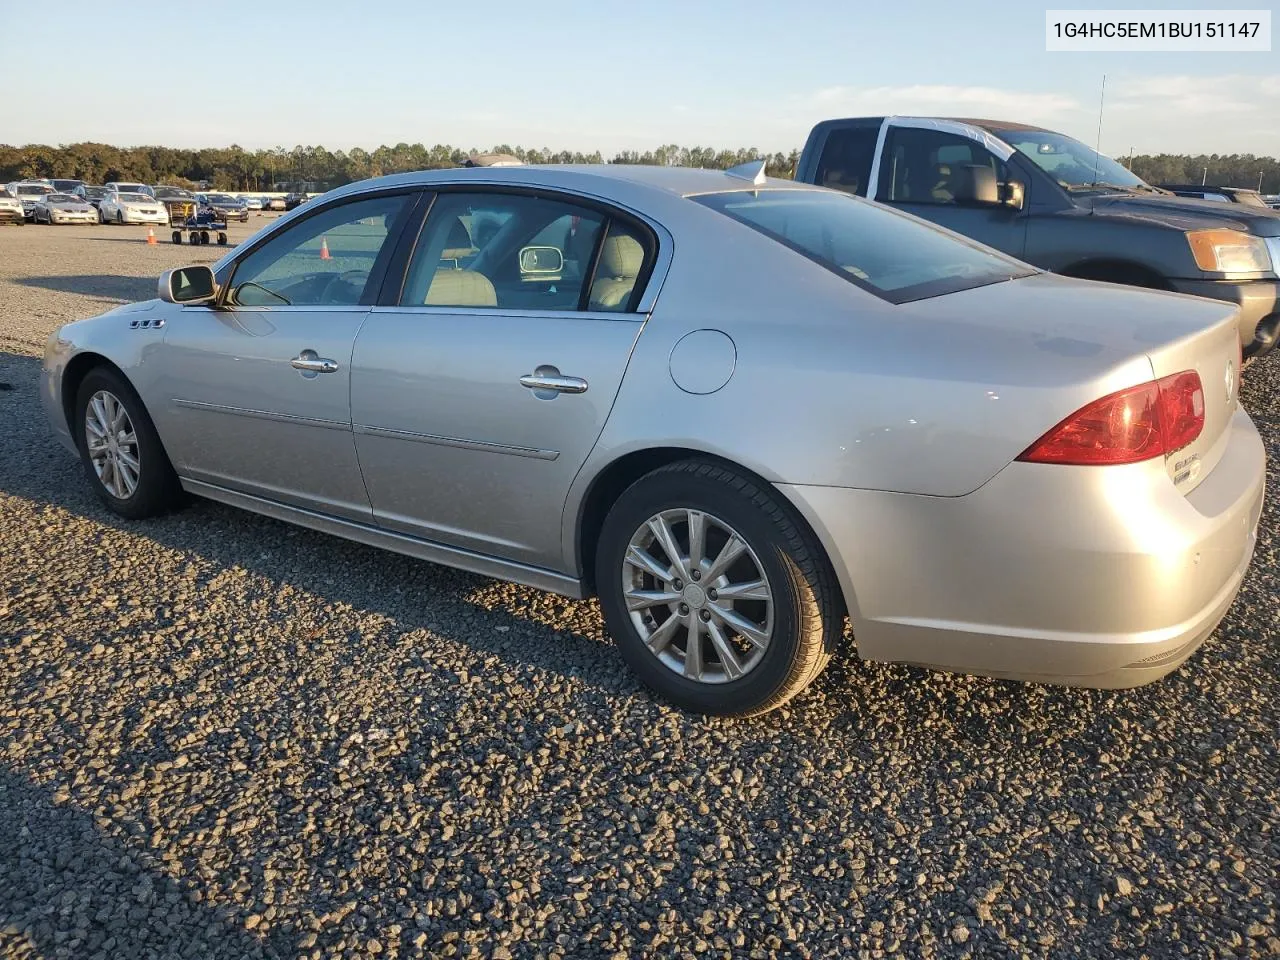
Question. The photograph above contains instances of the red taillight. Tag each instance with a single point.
(1142, 422)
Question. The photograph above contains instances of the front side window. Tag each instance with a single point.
(930, 166)
(323, 260)
(504, 251)
(894, 256)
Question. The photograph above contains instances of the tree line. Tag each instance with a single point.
(1221, 170)
(234, 168)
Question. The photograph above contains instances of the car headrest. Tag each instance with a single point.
(621, 257)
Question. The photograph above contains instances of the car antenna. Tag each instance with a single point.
(752, 171)
(1097, 153)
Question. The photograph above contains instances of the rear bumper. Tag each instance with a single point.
(1259, 302)
(1101, 577)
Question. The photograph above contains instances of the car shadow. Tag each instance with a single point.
(71, 889)
(100, 286)
(416, 595)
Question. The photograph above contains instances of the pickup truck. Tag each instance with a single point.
(1054, 202)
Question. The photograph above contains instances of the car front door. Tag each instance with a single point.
(257, 388)
(479, 390)
(920, 171)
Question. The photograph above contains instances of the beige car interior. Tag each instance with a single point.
(621, 259)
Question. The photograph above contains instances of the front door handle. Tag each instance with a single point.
(544, 379)
(308, 362)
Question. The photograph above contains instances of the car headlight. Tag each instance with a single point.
(1229, 251)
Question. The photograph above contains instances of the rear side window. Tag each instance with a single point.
(894, 256)
(845, 163)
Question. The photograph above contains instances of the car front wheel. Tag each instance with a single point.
(121, 451)
(717, 597)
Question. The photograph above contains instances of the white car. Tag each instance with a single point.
(11, 208)
(55, 208)
(253, 202)
(119, 187)
(118, 207)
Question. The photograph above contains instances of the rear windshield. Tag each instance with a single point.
(892, 255)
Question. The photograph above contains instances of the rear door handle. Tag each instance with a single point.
(554, 382)
(309, 362)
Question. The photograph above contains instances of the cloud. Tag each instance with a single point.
(942, 99)
(1182, 94)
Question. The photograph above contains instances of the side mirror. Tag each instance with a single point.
(541, 261)
(188, 285)
(1013, 195)
(974, 184)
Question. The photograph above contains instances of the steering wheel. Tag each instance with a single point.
(355, 279)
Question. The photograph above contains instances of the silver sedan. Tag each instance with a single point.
(55, 208)
(738, 410)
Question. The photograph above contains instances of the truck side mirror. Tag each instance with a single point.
(974, 184)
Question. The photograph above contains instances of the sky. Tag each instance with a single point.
(602, 75)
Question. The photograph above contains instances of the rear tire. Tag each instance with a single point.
(123, 457)
(755, 649)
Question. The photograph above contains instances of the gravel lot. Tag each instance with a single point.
(224, 737)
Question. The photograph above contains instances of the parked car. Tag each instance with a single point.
(253, 202)
(55, 208)
(1063, 486)
(11, 208)
(179, 203)
(28, 193)
(226, 206)
(90, 194)
(294, 200)
(274, 203)
(1052, 201)
(122, 207)
(1251, 198)
(120, 187)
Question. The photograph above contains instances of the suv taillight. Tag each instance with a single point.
(1140, 423)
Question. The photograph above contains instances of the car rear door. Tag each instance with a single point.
(257, 389)
(481, 386)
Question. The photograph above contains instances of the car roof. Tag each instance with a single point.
(589, 178)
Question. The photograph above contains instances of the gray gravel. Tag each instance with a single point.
(223, 737)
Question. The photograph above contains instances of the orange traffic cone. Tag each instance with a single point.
(324, 249)
(151, 236)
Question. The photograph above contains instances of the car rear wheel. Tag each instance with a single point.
(717, 597)
(121, 451)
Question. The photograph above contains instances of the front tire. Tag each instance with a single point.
(120, 449)
(120, 218)
(716, 595)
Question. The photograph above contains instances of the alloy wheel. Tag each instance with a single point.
(698, 596)
(112, 443)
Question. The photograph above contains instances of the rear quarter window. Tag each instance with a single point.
(894, 256)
